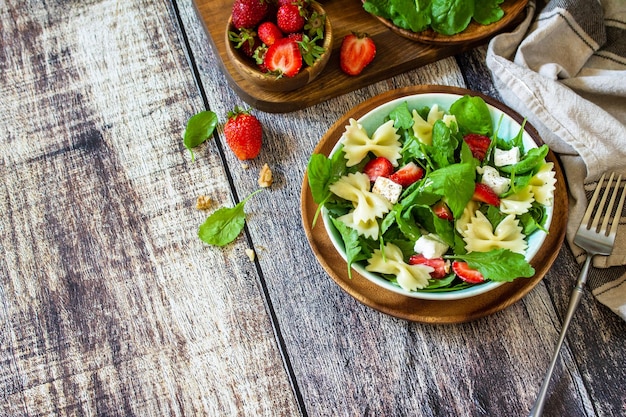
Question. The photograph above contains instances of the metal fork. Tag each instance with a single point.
(595, 241)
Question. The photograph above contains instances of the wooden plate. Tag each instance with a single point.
(429, 311)
(513, 10)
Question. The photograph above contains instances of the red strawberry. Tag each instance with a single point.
(442, 211)
(248, 13)
(243, 133)
(289, 18)
(478, 144)
(284, 57)
(378, 167)
(407, 175)
(296, 36)
(269, 33)
(485, 194)
(357, 51)
(467, 274)
(245, 40)
(441, 266)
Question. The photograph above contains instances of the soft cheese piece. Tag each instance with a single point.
(502, 157)
(431, 246)
(388, 189)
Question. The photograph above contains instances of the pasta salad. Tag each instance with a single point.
(434, 199)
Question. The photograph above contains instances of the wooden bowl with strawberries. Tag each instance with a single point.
(279, 51)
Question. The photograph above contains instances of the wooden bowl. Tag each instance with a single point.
(513, 13)
(248, 69)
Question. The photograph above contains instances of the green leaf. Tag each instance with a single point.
(351, 241)
(199, 128)
(225, 224)
(451, 16)
(456, 183)
(500, 265)
(472, 115)
(488, 11)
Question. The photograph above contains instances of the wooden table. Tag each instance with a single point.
(110, 305)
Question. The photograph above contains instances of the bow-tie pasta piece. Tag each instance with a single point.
(518, 203)
(423, 129)
(543, 184)
(356, 188)
(368, 229)
(409, 277)
(479, 235)
(384, 142)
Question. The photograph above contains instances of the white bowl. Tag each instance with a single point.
(507, 128)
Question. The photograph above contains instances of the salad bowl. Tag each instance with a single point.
(440, 307)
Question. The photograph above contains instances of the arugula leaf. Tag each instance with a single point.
(499, 265)
(444, 145)
(199, 128)
(225, 224)
(401, 116)
(533, 159)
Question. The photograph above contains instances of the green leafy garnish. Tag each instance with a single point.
(500, 265)
(199, 128)
(225, 224)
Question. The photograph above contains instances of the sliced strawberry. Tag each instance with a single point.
(478, 144)
(407, 175)
(485, 194)
(442, 211)
(441, 266)
(378, 167)
(284, 57)
(357, 51)
(269, 33)
(467, 274)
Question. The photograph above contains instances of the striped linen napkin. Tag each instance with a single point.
(564, 68)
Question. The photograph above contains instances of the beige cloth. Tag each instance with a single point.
(564, 68)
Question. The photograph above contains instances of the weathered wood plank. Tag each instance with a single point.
(110, 303)
(350, 360)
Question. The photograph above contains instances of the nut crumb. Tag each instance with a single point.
(250, 254)
(203, 202)
(265, 177)
(244, 165)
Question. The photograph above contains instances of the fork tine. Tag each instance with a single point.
(592, 202)
(600, 208)
(620, 206)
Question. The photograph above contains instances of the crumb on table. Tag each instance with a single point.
(265, 177)
(203, 202)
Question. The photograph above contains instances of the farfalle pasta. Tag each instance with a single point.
(356, 188)
(384, 142)
(543, 184)
(519, 202)
(480, 236)
(409, 277)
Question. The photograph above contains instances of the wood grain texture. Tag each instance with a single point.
(394, 55)
(110, 305)
(350, 360)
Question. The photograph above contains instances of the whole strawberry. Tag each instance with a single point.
(243, 133)
(289, 18)
(248, 13)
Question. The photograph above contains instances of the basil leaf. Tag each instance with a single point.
(224, 225)
(199, 128)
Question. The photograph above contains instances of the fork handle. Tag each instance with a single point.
(574, 300)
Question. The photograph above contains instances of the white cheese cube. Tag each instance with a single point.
(492, 178)
(388, 189)
(510, 157)
(431, 246)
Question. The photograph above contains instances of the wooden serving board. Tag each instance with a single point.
(395, 55)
